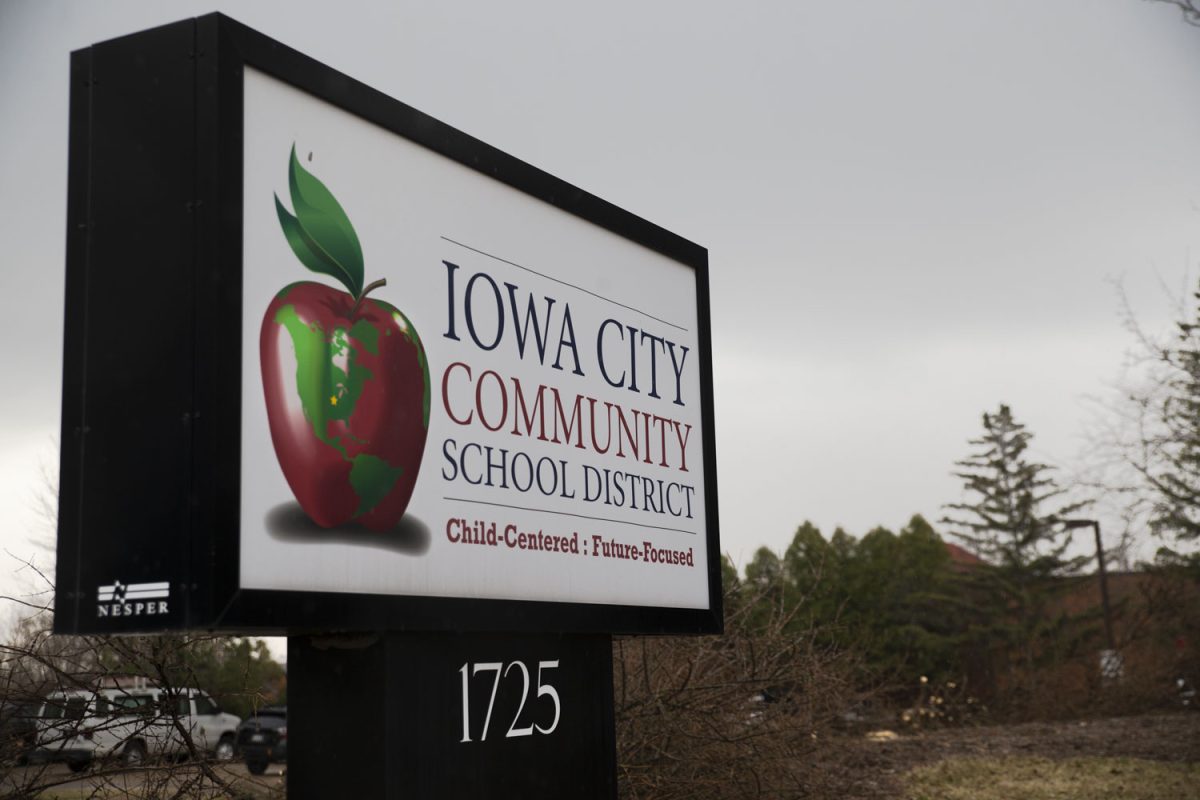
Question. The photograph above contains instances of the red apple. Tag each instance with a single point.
(347, 392)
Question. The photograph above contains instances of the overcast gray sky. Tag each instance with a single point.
(914, 211)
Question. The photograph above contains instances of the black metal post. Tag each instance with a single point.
(1108, 629)
(1072, 524)
(406, 715)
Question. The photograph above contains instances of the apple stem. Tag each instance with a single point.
(370, 287)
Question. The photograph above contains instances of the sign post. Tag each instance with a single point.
(336, 370)
(446, 715)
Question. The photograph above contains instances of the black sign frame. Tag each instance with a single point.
(149, 481)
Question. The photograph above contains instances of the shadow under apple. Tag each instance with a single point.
(287, 522)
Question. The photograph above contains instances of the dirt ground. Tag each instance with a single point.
(56, 782)
(879, 766)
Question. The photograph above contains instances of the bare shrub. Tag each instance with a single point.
(748, 714)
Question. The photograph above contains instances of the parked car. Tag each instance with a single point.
(131, 723)
(18, 730)
(212, 730)
(262, 739)
(61, 723)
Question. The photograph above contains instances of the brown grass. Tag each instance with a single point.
(1032, 778)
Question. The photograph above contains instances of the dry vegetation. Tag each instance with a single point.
(965, 762)
(1044, 779)
(745, 715)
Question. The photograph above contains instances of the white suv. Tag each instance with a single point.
(78, 726)
(61, 720)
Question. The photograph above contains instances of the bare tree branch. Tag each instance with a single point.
(1189, 8)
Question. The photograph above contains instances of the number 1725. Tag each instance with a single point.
(470, 670)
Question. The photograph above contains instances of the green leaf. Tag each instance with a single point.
(304, 247)
(320, 233)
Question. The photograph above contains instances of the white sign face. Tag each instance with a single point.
(515, 414)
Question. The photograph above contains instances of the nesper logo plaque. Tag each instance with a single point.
(133, 600)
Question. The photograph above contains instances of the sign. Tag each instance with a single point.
(332, 364)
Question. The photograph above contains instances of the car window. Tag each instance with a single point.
(205, 705)
(29, 710)
(134, 703)
(76, 707)
(183, 706)
(54, 708)
(102, 706)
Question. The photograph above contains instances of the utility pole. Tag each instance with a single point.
(1072, 524)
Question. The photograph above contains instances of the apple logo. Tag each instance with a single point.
(344, 375)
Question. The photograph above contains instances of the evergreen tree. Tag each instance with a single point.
(880, 597)
(729, 576)
(1174, 475)
(764, 588)
(922, 624)
(1013, 521)
(732, 590)
(811, 571)
(763, 573)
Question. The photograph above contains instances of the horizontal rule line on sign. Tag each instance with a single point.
(567, 514)
(565, 283)
(145, 594)
(138, 587)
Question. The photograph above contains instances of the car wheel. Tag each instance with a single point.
(256, 767)
(77, 765)
(224, 751)
(133, 755)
